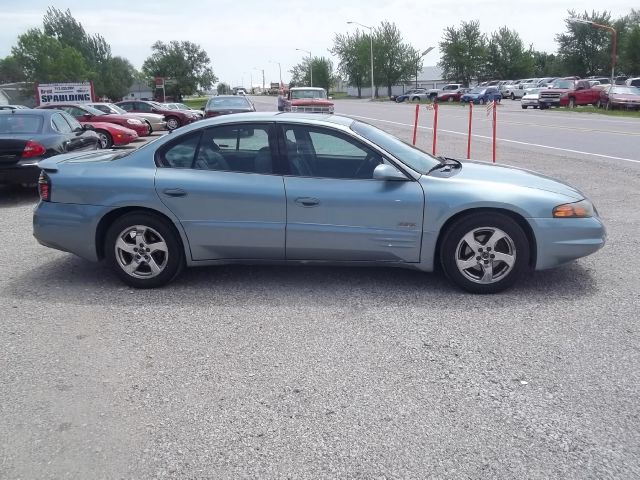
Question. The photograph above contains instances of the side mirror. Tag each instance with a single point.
(88, 126)
(387, 172)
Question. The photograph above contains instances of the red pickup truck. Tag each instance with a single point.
(568, 92)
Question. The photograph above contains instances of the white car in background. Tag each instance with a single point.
(531, 98)
(182, 106)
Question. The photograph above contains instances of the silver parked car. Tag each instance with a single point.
(300, 188)
(155, 122)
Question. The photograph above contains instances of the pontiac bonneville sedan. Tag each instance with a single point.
(304, 189)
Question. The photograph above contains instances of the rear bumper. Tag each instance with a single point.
(68, 227)
(26, 172)
(561, 240)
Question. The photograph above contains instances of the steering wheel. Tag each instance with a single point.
(369, 161)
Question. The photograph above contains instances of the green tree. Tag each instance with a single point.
(223, 88)
(11, 70)
(322, 73)
(507, 57)
(185, 63)
(394, 61)
(119, 76)
(630, 51)
(546, 65)
(353, 52)
(583, 49)
(44, 59)
(464, 52)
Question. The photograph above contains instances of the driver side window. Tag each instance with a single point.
(326, 153)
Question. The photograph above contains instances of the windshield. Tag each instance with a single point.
(117, 109)
(415, 158)
(626, 90)
(568, 84)
(182, 106)
(19, 124)
(93, 111)
(296, 94)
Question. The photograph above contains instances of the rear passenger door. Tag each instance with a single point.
(219, 182)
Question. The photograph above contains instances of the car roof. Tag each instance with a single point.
(309, 118)
(306, 88)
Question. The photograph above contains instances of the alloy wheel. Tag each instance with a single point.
(141, 251)
(485, 255)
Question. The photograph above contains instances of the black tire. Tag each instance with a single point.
(149, 128)
(524, 107)
(513, 97)
(483, 225)
(535, 107)
(173, 123)
(482, 101)
(158, 230)
(415, 99)
(106, 140)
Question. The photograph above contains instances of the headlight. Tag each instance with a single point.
(132, 121)
(581, 209)
(564, 95)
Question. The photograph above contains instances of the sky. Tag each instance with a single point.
(242, 38)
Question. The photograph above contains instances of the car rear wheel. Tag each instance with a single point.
(484, 253)
(106, 141)
(415, 99)
(144, 250)
(524, 107)
(513, 97)
(172, 123)
(149, 128)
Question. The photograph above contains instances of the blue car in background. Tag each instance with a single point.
(270, 187)
(482, 95)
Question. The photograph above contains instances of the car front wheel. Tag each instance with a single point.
(105, 139)
(484, 253)
(172, 123)
(144, 250)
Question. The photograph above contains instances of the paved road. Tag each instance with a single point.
(269, 372)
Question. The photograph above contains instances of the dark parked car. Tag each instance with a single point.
(174, 118)
(28, 136)
(482, 95)
(225, 104)
(85, 113)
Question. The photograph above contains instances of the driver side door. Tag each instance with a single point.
(336, 210)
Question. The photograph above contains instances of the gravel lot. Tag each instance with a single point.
(273, 372)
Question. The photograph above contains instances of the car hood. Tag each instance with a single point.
(513, 176)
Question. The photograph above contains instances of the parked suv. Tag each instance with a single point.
(174, 118)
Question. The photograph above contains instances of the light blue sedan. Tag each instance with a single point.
(295, 188)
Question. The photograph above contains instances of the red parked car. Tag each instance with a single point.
(85, 113)
(174, 118)
(112, 135)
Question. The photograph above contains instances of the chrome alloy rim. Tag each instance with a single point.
(104, 141)
(485, 255)
(141, 251)
(172, 124)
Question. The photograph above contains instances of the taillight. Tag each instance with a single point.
(44, 187)
(33, 149)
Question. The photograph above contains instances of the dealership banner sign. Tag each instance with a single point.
(59, 93)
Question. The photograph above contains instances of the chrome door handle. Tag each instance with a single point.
(174, 192)
(307, 201)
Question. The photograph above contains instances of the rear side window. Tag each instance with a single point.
(60, 124)
(181, 152)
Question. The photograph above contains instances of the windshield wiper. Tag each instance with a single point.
(445, 162)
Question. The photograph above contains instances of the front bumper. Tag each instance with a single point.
(530, 102)
(561, 240)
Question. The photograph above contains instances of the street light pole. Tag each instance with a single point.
(261, 70)
(310, 66)
(418, 59)
(279, 70)
(614, 41)
(371, 41)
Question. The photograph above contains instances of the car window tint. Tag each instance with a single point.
(21, 124)
(143, 107)
(126, 106)
(236, 148)
(181, 152)
(73, 123)
(60, 124)
(317, 152)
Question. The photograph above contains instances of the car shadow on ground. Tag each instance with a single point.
(15, 195)
(71, 279)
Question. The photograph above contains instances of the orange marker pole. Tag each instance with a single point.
(435, 126)
(495, 117)
(415, 124)
(469, 139)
